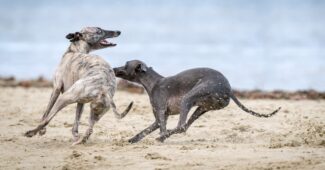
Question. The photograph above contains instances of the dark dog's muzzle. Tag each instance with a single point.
(119, 71)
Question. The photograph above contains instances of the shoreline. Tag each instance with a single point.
(123, 85)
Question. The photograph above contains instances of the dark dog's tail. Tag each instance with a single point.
(121, 115)
(234, 98)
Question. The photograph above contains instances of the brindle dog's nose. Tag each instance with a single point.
(118, 32)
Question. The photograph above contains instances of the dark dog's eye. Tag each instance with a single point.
(99, 31)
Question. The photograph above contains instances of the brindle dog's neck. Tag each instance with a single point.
(149, 79)
(79, 47)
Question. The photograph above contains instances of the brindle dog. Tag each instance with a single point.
(83, 78)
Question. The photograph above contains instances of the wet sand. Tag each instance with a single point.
(225, 139)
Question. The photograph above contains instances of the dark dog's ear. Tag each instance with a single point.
(141, 68)
(73, 36)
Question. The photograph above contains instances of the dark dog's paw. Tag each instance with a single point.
(42, 132)
(161, 139)
(133, 140)
(30, 133)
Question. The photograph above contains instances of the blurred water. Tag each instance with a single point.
(256, 44)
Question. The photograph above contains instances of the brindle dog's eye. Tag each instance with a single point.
(99, 31)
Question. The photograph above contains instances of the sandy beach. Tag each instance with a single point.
(224, 139)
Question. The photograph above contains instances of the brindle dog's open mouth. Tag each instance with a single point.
(109, 34)
(105, 43)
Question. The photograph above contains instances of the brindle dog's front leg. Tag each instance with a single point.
(97, 110)
(92, 120)
(79, 111)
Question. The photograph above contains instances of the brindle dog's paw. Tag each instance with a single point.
(76, 138)
(42, 132)
(30, 133)
(78, 142)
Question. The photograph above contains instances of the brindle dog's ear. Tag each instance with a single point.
(74, 36)
(69, 36)
(141, 68)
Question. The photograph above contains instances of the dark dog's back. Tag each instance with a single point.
(186, 80)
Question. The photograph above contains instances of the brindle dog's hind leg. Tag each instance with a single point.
(97, 111)
(79, 111)
(64, 100)
(54, 96)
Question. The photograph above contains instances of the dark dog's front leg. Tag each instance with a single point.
(162, 119)
(181, 123)
(198, 112)
(162, 122)
(144, 133)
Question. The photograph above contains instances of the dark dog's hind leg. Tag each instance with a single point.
(196, 94)
(186, 105)
(198, 112)
(144, 133)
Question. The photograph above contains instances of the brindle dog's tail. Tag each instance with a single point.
(234, 98)
(121, 115)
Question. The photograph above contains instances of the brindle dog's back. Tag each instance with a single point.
(77, 65)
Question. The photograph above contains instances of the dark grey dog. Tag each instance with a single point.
(203, 87)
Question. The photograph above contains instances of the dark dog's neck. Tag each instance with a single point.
(149, 79)
(79, 47)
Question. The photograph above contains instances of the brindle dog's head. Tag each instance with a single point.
(132, 70)
(94, 36)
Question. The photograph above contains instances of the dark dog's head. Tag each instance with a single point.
(132, 70)
(94, 36)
